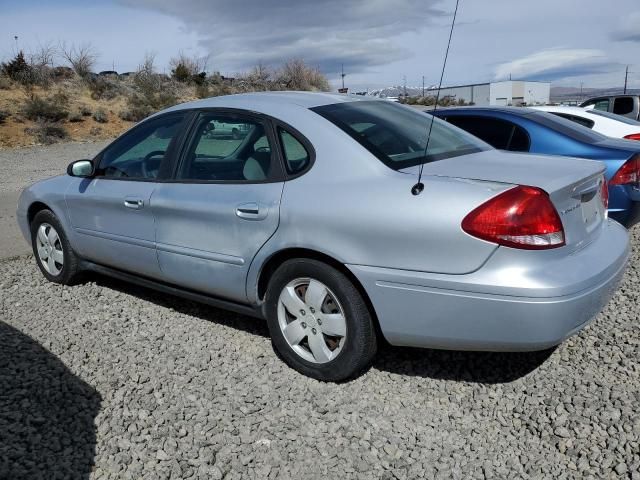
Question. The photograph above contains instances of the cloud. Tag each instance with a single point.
(555, 64)
(358, 33)
(629, 29)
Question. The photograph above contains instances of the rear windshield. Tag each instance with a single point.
(614, 116)
(397, 135)
(566, 127)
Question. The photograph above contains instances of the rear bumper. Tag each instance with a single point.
(504, 306)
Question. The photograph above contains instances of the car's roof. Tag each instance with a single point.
(562, 108)
(264, 100)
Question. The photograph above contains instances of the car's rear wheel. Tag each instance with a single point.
(320, 324)
(55, 258)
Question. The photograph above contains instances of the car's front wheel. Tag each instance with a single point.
(55, 258)
(319, 322)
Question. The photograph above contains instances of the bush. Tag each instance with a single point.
(100, 116)
(202, 91)
(95, 131)
(135, 113)
(85, 111)
(101, 88)
(297, 75)
(5, 83)
(76, 117)
(3, 116)
(17, 69)
(47, 132)
(52, 109)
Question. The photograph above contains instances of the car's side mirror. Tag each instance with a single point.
(80, 168)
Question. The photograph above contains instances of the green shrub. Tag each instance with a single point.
(181, 73)
(46, 132)
(52, 109)
(100, 116)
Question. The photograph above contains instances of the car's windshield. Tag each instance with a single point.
(397, 135)
(566, 127)
(614, 116)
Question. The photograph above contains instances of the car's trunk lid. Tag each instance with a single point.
(574, 185)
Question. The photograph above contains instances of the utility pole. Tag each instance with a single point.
(626, 76)
(342, 74)
(581, 83)
(404, 83)
(422, 86)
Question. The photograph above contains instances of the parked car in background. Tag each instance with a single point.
(606, 123)
(526, 130)
(627, 105)
(309, 220)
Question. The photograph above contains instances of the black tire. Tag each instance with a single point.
(360, 344)
(70, 271)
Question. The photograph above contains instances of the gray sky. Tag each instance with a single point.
(379, 41)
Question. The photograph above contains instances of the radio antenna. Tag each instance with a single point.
(419, 187)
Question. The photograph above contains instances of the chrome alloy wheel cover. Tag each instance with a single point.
(49, 249)
(312, 320)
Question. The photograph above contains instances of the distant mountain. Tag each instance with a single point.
(398, 90)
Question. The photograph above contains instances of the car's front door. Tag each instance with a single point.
(111, 212)
(222, 205)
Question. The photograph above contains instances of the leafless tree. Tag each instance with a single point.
(81, 58)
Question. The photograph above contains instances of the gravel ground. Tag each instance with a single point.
(22, 167)
(104, 380)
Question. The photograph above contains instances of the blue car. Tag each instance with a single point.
(527, 130)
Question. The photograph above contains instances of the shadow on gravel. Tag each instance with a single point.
(475, 367)
(47, 414)
(180, 305)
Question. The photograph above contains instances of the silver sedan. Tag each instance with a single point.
(311, 219)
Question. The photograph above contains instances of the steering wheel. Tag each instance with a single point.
(150, 172)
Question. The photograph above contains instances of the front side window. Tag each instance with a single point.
(397, 135)
(296, 155)
(602, 104)
(139, 153)
(227, 148)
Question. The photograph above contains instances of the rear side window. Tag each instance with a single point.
(296, 156)
(226, 148)
(585, 122)
(397, 135)
(498, 133)
(623, 105)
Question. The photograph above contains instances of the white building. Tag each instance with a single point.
(509, 92)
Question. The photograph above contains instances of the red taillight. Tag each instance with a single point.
(522, 217)
(633, 136)
(627, 173)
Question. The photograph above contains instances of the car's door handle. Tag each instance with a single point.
(251, 211)
(135, 203)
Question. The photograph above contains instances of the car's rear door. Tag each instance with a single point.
(222, 205)
(111, 212)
